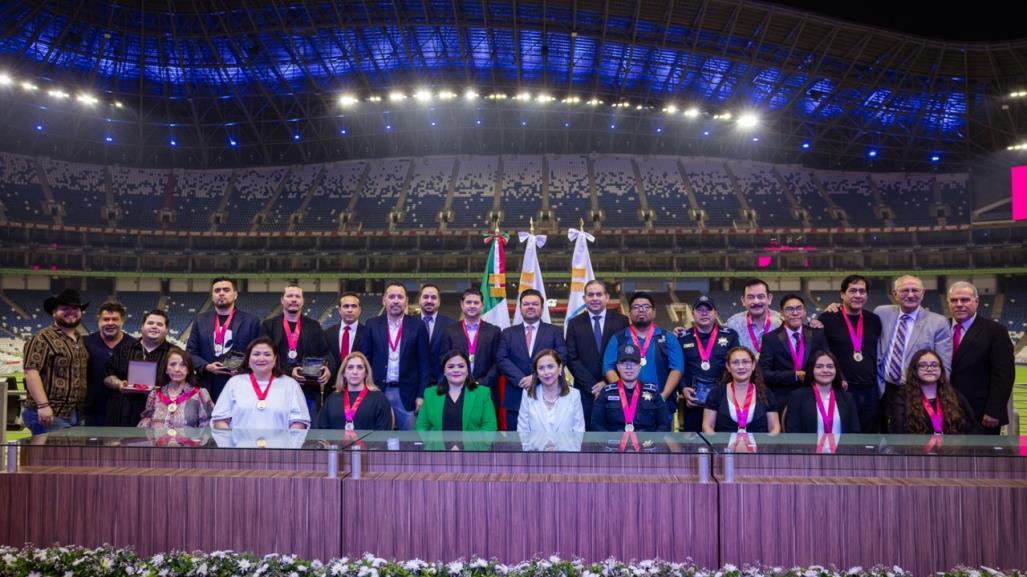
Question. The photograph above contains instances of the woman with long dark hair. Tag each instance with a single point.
(457, 403)
(822, 406)
(742, 403)
(929, 405)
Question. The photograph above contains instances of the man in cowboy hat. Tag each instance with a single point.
(55, 367)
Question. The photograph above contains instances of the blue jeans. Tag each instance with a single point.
(31, 419)
(404, 418)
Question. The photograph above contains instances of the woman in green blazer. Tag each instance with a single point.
(458, 403)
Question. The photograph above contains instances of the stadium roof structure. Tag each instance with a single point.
(208, 83)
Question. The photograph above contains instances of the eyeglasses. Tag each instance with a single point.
(795, 310)
(820, 367)
(740, 362)
(640, 308)
(931, 366)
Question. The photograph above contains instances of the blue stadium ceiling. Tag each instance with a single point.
(254, 82)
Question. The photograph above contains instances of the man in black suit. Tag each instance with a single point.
(344, 338)
(784, 350)
(517, 347)
(397, 347)
(982, 359)
(219, 332)
(436, 324)
(298, 337)
(587, 337)
(477, 339)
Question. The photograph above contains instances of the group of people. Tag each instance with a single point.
(898, 369)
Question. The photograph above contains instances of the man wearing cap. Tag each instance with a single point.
(587, 337)
(660, 355)
(704, 348)
(630, 404)
(56, 367)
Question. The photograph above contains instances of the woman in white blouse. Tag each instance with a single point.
(550, 405)
(262, 397)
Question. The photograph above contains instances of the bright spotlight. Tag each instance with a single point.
(87, 99)
(29, 86)
(523, 96)
(117, 104)
(571, 100)
(5, 80)
(671, 109)
(748, 120)
(872, 153)
(594, 102)
(422, 95)
(692, 113)
(347, 100)
(544, 98)
(470, 95)
(397, 97)
(374, 98)
(447, 95)
(58, 94)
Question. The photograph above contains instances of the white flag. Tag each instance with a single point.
(531, 274)
(581, 273)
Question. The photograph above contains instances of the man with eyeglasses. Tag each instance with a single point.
(907, 327)
(660, 355)
(854, 334)
(982, 359)
(786, 349)
(757, 319)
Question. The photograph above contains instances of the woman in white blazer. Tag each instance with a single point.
(550, 405)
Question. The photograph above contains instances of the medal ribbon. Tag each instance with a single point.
(293, 338)
(394, 346)
(351, 411)
(856, 336)
(181, 398)
(629, 410)
(261, 395)
(221, 329)
(828, 415)
(472, 346)
(756, 343)
(706, 352)
(937, 418)
(742, 412)
(642, 349)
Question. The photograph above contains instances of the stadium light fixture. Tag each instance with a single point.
(755, 138)
(872, 153)
(806, 145)
(343, 131)
(108, 139)
(5, 79)
(594, 102)
(523, 97)
(348, 100)
(87, 99)
(117, 104)
(496, 96)
(692, 113)
(543, 98)
(172, 143)
(422, 95)
(658, 129)
(233, 142)
(58, 94)
(935, 157)
(29, 87)
(397, 96)
(39, 128)
(374, 98)
(470, 95)
(670, 109)
(747, 121)
(571, 100)
(296, 136)
(446, 95)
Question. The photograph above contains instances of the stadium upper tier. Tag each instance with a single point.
(468, 192)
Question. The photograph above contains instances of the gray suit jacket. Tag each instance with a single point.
(930, 331)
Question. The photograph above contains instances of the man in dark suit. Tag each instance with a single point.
(436, 324)
(219, 332)
(982, 359)
(587, 337)
(397, 347)
(344, 338)
(482, 335)
(517, 347)
(298, 337)
(784, 350)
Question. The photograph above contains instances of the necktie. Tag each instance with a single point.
(427, 323)
(957, 335)
(344, 345)
(527, 337)
(597, 332)
(897, 349)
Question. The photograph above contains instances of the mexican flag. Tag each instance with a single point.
(493, 282)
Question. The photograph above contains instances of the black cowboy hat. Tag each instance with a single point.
(67, 297)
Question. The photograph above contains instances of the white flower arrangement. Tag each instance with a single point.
(114, 562)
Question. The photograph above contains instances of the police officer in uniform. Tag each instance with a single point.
(705, 348)
(630, 405)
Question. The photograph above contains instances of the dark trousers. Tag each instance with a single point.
(587, 400)
(868, 407)
(511, 420)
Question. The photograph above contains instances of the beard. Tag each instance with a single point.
(68, 324)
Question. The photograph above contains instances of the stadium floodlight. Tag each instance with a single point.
(87, 99)
(108, 139)
(935, 157)
(347, 100)
(571, 100)
(397, 96)
(692, 113)
(374, 98)
(748, 121)
(470, 95)
(872, 153)
(422, 95)
(58, 94)
(28, 86)
(805, 145)
(722, 116)
(5, 79)
(117, 104)
(543, 98)
(172, 143)
(447, 95)
(39, 127)
(594, 102)
(523, 96)
(496, 96)
(670, 109)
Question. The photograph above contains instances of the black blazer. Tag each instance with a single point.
(486, 371)
(584, 361)
(983, 369)
(312, 342)
(414, 375)
(803, 413)
(898, 425)
(244, 326)
(514, 359)
(442, 323)
(332, 338)
(776, 358)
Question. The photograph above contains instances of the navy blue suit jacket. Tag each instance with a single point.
(332, 338)
(245, 327)
(442, 322)
(485, 370)
(414, 375)
(514, 359)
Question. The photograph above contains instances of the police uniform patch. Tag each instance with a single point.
(722, 341)
(647, 396)
(688, 346)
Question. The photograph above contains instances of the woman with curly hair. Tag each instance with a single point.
(929, 404)
(742, 402)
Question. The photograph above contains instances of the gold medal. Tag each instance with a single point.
(261, 404)
(172, 407)
(629, 428)
(857, 356)
(261, 443)
(172, 432)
